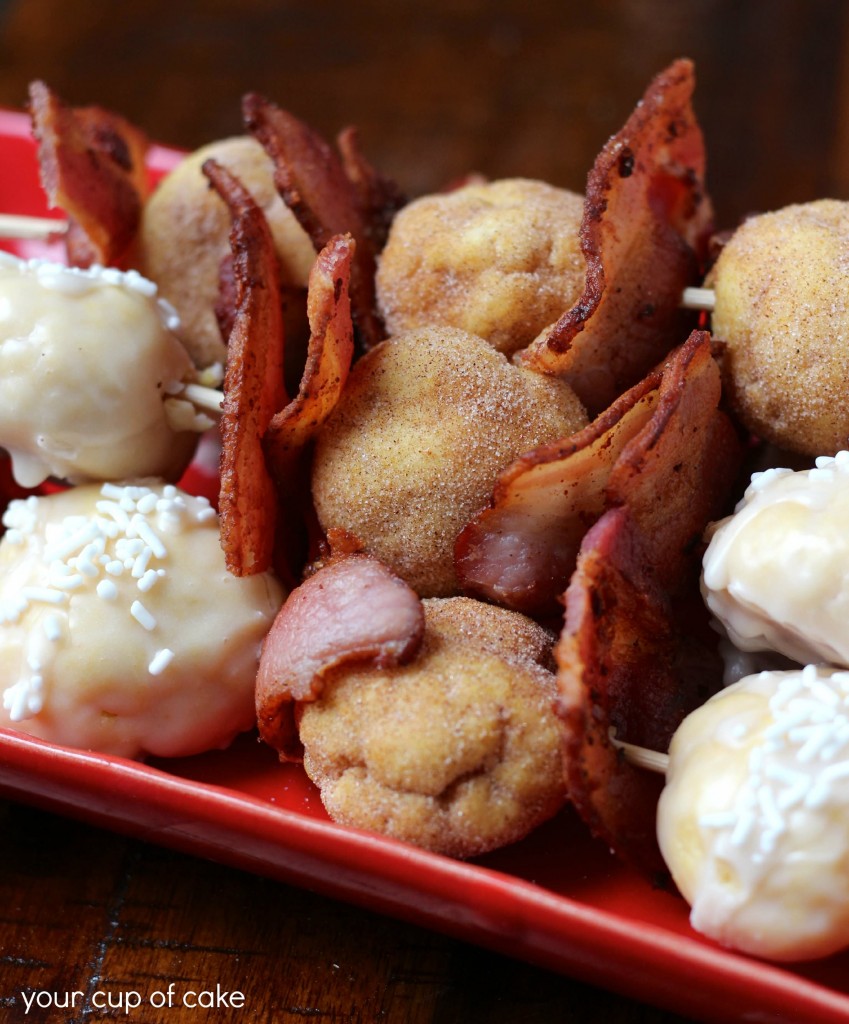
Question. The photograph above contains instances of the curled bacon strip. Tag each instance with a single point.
(663, 448)
(616, 670)
(329, 354)
(329, 196)
(630, 660)
(677, 473)
(92, 167)
(377, 196)
(353, 609)
(521, 551)
(632, 655)
(645, 225)
(253, 383)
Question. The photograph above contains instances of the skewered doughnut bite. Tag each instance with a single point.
(121, 630)
(775, 573)
(184, 232)
(458, 751)
(90, 368)
(501, 260)
(782, 310)
(426, 421)
(754, 820)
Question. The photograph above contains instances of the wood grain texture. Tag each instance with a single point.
(91, 912)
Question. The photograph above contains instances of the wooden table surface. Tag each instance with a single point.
(506, 88)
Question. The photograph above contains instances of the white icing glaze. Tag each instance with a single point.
(776, 573)
(88, 360)
(754, 820)
(121, 629)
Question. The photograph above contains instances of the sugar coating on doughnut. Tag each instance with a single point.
(754, 820)
(782, 308)
(121, 630)
(459, 751)
(184, 237)
(776, 573)
(410, 455)
(501, 260)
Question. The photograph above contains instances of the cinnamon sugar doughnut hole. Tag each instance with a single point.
(782, 310)
(184, 237)
(457, 752)
(426, 422)
(501, 260)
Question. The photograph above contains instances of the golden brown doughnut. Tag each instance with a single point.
(782, 299)
(184, 237)
(410, 454)
(458, 752)
(501, 260)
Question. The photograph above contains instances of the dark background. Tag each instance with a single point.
(511, 87)
(508, 87)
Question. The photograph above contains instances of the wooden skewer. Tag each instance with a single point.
(207, 399)
(642, 757)
(39, 228)
(698, 298)
(15, 226)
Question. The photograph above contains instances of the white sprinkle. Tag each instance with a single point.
(35, 700)
(114, 567)
(142, 615)
(67, 582)
(46, 595)
(141, 563)
(107, 590)
(112, 491)
(147, 534)
(147, 503)
(775, 823)
(77, 540)
(52, 626)
(821, 791)
(161, 660)
(128, 548)
(113, 509)
(148, 580)
(742, 828)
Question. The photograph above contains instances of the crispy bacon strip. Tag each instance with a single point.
(92, 167)
(632, 655)
(630, 660)
(378, 196)
(645, 226)
(353, 609)
(315, 184)
(664, 449)
(616, 669)
(253, 383)
(329, 355)
(521, 551)
(677, 474)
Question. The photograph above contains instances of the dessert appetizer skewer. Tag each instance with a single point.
(752, 819)
(79, 405)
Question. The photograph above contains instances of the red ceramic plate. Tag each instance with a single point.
(557, 898)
